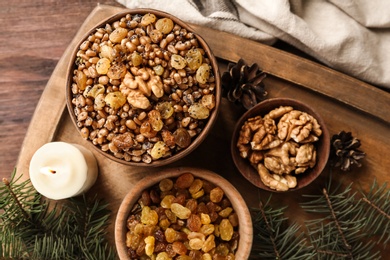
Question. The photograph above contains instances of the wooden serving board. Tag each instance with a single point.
(344, 102)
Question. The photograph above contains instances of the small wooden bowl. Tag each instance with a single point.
(322, 145)
(245, 222)
(217, 92)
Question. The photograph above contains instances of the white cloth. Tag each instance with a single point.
(351, 36)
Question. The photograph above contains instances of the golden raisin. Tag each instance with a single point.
(216, 194)
(203, 73)
(198, 111)
(149, 245)
(180, 211)
(164, 25)
(166, 202)
(178, 62)
(194, 58)
(196, 185)
(149, 216)
(165, 184)
(226, 230)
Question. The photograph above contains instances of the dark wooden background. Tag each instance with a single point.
(33, 36)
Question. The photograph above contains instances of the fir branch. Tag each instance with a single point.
(337, 232)
(30, 230)
(274, 238)
(337, 222)
(375, 210)
(15, 198)
(375, 207)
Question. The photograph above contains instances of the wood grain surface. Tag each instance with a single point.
(34, 36)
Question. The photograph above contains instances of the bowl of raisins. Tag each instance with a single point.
(143, 88)
(187, 212)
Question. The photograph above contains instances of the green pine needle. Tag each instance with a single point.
(375, 209)
(336, 233)
(30, 228)
(274, 238)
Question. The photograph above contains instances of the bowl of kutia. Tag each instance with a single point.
(280, 145)
(143, 88)
(183, 213)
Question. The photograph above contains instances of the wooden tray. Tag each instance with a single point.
(345, 104)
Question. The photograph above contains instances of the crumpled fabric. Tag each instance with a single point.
(350, 36)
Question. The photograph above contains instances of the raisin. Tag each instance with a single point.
(182, 137)
(194, 223)
(160, 247)
(209, 244)
(169, 249)
(170, 235)
(149, 216)
(226, 230)
(216, 194)
(166, 202)
(194, 58)
(164, 25)
(180, 199)
(179, 248)
(165, 184)
(196, 185)
(198, 111)
(145, 198)
(180, 211)
(207, 229)
(159, 235)
(184, 181)
(192, 205)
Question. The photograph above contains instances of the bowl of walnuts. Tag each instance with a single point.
(280, 145)
(183, 212)
(143, 88)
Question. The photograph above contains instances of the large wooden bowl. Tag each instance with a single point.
(198, 139)
(245, 223)
(322, 145)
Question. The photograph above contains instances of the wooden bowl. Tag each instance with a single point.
(245, 223)
(322, 145)
(208, 123)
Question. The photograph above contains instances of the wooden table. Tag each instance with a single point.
(34, 35)
(51, 29)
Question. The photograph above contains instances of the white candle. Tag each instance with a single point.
(60, 170)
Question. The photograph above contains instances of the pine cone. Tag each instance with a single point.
(344, 151)
(243, 84)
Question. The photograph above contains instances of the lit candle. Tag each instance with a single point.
(60, 170)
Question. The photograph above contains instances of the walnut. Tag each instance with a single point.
(278, 112)
(276, 165)
(280, 160)
(137, 99)
(280, 145)
(155, 84)
(274, 181)
(299, 126)
(246, 134)
(123, 141)
(284, 151)
(256, 156)
(265, 137)
(306, 158)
